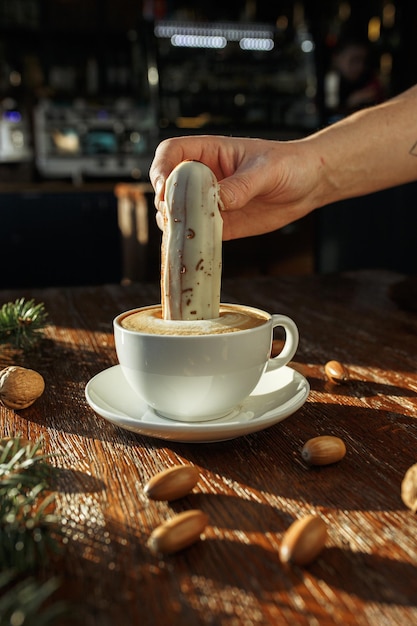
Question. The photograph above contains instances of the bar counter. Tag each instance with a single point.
(252, 486)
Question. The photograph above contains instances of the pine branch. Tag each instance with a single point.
(28, 526)
(29, 534)
(21, 322)
(21, 601)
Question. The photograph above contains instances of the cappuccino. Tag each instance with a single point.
(233, 318)
(195, 371)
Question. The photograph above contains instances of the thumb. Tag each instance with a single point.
(236, 191)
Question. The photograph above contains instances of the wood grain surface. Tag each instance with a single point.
(252, 487)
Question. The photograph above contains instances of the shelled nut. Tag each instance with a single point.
(409, 488)
(336, 372)
(178, 533)
(323, 450)
(172, 483)
(303, 541)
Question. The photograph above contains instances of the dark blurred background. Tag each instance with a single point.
(89, 87)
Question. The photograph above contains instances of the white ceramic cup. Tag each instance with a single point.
(199, 378)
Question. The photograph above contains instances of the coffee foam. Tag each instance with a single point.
(231, 320)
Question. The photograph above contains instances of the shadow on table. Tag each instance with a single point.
(372, 577)
(380, 448)
(69, 480)
(100, 551)
(357, 388)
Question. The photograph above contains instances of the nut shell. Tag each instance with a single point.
(323, 450)
(172, 483)
(20, 387)
(303, 541)
(178, 533)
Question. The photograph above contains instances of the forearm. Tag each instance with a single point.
(267, 184)
(370, 150)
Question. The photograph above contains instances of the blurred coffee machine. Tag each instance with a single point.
(102, 139)
(15, 136)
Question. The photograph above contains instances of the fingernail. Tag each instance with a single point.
(159, 183)
(160, 220)
(228, 197)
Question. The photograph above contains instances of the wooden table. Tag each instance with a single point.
(252, 487)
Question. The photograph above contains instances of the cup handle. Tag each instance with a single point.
(291, 341)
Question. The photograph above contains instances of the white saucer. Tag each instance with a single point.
(278, 394)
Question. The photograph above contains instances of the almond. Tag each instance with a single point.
(178, 533)
(303, 541)
(409, 488)
(323, 450)
(172, 483)
(336, 372)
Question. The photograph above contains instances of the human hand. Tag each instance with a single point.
(264, 184)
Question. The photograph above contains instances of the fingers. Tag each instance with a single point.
(168, 154)
(164, 161)
(237, 225)
(160, 215)
(242, 186)
(239, 166)
(235, 192)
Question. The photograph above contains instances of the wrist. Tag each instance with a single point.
(320, 170)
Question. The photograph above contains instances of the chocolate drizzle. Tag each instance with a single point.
(191, 246)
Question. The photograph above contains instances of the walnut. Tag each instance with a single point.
(20, 387)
